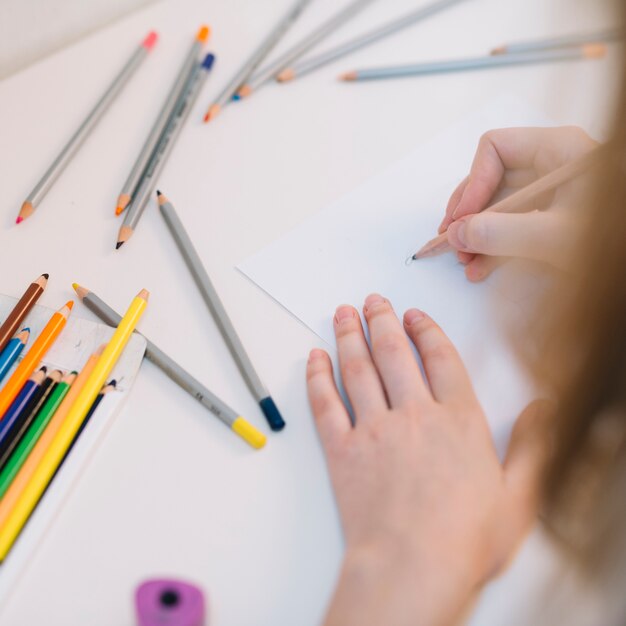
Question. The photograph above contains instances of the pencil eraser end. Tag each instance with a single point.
(249, 433)
(203, 33)
(150, 40)
(209, 59)
(272, 415)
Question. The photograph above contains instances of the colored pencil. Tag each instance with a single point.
(107, 388)
(21, 309)
(183, 379)
(308, 65)
(11, 527)
(518, 201)
(182, 76)
(55, 421)
(11, 417)
(566, 41)
(272, 70)
(27, 414)
(79, 136)
(34, 432)
(163, 150)
(215, 306)
(12, 351)
(592, 51)
(253, 61)
(34, 356)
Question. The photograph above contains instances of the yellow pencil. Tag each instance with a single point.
(16, 519)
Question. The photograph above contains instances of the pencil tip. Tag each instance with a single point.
(286, 75)
(46, 276)
(75, 286)
(69, 304)
(19, 219)
(212, 113)
(244, 92)
(159, 193)
(119, 244)
(26, 329)
(236, 97)
(348, 76)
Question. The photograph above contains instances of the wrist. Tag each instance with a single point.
(391, 581)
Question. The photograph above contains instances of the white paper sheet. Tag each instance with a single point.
(358, 245)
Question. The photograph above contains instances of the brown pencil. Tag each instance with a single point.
(518, 201)
(21, 309)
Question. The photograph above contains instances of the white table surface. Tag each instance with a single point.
(170, 490)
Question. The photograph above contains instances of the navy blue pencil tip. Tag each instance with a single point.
(208, 61)
(236, 97)
(272, 415)
(26, 328)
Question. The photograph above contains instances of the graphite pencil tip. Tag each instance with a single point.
(46, 276)
(159, 193)
(119, 244)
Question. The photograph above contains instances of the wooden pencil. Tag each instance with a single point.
(26, 502)
(35, 355)
(13, 349)
(320, 33)
(26, 416)
(311, 64)
(182, 76)
(34, 432)
(253, 61)
(565, 41)
(55, 421)
(163, 150)
(591, 51)
(21, 309)
(27, 392)
(77, 139)
(182, 378)
(215, 306)
(518, 201)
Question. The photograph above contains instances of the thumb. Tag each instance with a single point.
(533, 235)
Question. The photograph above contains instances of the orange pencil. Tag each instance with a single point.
(26, 471)
(34, 356)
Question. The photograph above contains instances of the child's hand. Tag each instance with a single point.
(427, 509)
(505, 161)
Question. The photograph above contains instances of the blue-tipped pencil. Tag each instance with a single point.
(13, 349)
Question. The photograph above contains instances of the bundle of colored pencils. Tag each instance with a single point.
(42, 413)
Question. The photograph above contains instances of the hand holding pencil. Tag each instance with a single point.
(520, 199)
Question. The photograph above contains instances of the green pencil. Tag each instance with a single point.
(15, 462)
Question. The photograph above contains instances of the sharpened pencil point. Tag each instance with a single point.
(236, 97)
(119, 244)
(244, 92)
(286, 75)
(159, 193)
(348, 76)
(46, 276)
(212, 113)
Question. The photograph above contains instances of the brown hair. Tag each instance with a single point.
(585, 353)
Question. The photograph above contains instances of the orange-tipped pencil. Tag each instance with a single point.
(147, 150)
(76, 140)
(566, 41)
(34, 356)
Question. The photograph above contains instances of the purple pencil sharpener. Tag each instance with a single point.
(169, 603)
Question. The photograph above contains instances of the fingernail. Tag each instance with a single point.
(316, 354)
(457, 231)
(412, 316)
(344, 312)
(373, 299)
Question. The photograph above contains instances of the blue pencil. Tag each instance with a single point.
(12, 351)
(10, 418)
